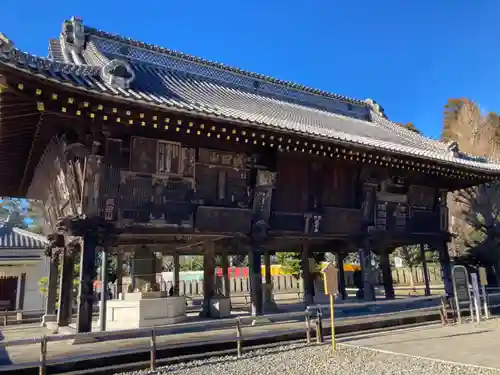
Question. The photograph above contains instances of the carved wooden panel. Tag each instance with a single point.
(223, 158)
(422, 197)
(169, 157)
(143, 155)
(135, 198)
(58, 180)
(391, 216)
(262, 203)
(221, 186)
(338, 220)
(110, 180)
(188, 162)
(51, 208)
(109, 192)
(156, 202)
(92, 178)
(265, 178)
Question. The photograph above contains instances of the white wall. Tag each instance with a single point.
(34, 269)
(33, 299)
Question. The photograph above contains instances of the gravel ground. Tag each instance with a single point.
(312, 360)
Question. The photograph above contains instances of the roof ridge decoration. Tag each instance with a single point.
(289, 84)
(72, 40)
(10, 53)
(454, 148)
(118, 73)
(375, 107)
(6, 45)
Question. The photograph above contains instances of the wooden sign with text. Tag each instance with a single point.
(483, 278)
(330, 277)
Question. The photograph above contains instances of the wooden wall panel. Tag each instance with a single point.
(339, 188)
(292, 186)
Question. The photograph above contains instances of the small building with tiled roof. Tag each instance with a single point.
(22, 265)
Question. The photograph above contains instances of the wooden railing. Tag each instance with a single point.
(338, 220)
(421, 221)
(223, 219)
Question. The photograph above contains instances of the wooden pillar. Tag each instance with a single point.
(208, 278)
(267, 267)
(153, 267)
(90, 207)
(255, 274)
(50, 307)
(87, 274)
(385, 267)
(444, 259)
(307, 275)
(21, 291)
(269, 303)
(176, 271)
(104, 290)
(365, 260)
(425, 269)
(65, 310)
(119, 273)
(340, 266)
(225, 274)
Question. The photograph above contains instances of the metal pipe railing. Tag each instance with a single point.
(241, 332)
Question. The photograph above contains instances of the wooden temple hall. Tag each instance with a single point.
(137, 148)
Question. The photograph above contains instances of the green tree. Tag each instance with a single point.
(411, 258)
(22, 213)
(291, 262)
(451, 113)
(193, 263)
(480, 210)
(43, 283)
(411, 127)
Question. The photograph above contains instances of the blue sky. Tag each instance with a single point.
(410, 56)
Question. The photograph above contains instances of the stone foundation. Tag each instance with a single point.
(144, 309)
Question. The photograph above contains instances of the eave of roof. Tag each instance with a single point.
(87, 78)
(16, 238)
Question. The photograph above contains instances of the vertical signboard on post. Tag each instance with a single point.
(483, 280)
(475, 291)
(460, 278)
(330, 277)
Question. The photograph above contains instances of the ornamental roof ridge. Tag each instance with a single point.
(10, 53)
(27, 59)
(181, 55)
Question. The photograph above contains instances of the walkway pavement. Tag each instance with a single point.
(64, 351)
(466, 343)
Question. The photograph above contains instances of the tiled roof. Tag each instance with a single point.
(16, 238)
(171, 80)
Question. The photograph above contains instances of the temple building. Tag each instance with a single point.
(138, 149)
